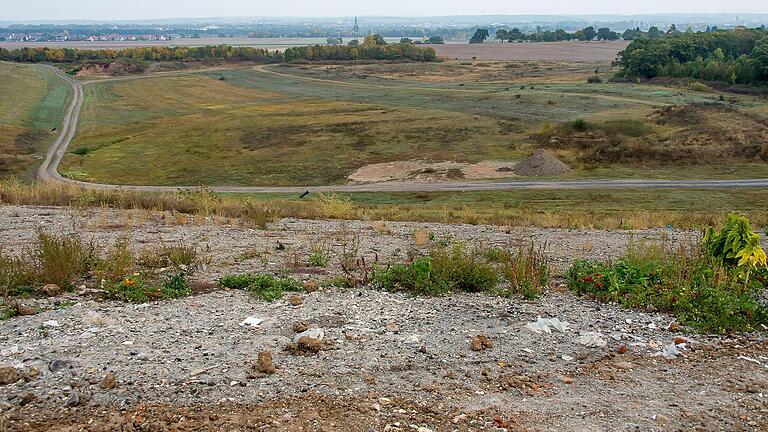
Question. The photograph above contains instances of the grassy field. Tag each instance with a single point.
(311, 125)
(32, 102)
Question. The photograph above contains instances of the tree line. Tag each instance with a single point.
(737, 56)
(371, 49)
(516, 35)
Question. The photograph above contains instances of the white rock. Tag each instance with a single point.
(51, 323)
(592, 339)
(252, 321)
(315, 333)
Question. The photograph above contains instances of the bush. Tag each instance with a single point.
(63, 259)
(594, 79)
(526, 272)
(265, 286)
(689, 282)
(446, 269)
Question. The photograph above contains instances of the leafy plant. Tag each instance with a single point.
(736, 244)
(265, 286)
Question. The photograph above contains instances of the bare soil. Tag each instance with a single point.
(415, 170)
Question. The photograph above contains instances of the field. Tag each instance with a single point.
(32, 99)
(314, 125)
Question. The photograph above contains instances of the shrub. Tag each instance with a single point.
(465, 270)
(418, 277)
(594, 79)
(525, 271)
(696, 287)
(62, 259)
(446, 269)
(178, 256)
(265, 286)
(736, 244)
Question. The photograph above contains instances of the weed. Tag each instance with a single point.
(525, 271)
(688, 282)
(63, 259)
(136, 289)
(265, 286)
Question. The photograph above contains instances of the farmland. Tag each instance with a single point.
(314, 125)
(31, 104)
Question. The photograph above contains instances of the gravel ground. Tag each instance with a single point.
(388, 361)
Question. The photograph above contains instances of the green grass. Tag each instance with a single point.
(308, 127)
(32, 102)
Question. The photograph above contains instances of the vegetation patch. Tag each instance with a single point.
(56, 263)
(458, 269)
(712, 286)
(263, 285)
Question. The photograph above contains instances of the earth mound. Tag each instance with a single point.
(541, 164)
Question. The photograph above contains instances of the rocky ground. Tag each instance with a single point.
(386, 361)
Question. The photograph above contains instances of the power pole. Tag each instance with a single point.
(356, 30)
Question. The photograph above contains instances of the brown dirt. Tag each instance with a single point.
(415, 170)
(541, 164)
(546, 51)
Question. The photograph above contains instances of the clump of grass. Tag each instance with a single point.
(457, 268)
(264, 286)
(63, 259)
(688, 282)
(526, 272)
(178, 255)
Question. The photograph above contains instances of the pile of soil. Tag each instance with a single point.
(541, 164)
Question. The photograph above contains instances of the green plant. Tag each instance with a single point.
(698, 288)
(119, 262)
(265, 286)
(417, 277)
(62, 259)
(178, 256)
(594, 79)
(525, 271)
(136, 288)
(736, 244)
(465, 270)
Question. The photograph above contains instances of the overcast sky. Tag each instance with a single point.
(143, 9)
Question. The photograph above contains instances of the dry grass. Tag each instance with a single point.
(617, 209)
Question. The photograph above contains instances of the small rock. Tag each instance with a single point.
(251, 321)
(480, 342)
(310, 286)
(392, 327)
(109, 382)
(300, 326)
(567, 380)
(624, 365)
(24, 310)
(51, 323)
(57, 365)
(305, 346)
(9, 375)
(50, 290)
(73, 400)
(264, 364)
(314, 333)
(296, 300)
(27, 398)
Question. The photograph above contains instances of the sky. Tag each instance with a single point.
(147, 9)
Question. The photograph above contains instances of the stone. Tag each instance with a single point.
(27, 398)
(57, 365)
(50, 290)
(310, 286)
(480, 342)
(109, 381)
(10, 375)
(296, 300)
(300, 326)
(264, 364)
(392, 327)
(73, 400)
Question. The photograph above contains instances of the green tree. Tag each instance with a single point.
(480, 36)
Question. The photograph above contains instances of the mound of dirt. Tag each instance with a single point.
(422, 171)
(540, 164)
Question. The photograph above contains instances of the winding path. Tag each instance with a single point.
(48, 171)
